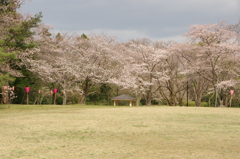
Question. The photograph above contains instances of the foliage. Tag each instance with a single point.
(102, 95)
(29, 79)
(15, 36)
(88, 68)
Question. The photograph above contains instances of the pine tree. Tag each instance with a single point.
(16, 35)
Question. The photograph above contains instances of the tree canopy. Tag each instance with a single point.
(205, 68)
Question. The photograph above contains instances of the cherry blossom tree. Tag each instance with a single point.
(196, 84)
(98, 62)
(141, 71)
(73, 62)
(174, 88)
(47, 59)
(216, 47)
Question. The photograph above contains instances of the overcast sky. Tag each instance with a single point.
(132, 19)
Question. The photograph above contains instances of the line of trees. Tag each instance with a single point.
(95, 68)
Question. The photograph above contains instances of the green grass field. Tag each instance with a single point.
(93, 132)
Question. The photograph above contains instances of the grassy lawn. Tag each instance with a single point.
(93, 132)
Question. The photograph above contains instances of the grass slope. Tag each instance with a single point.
(60, 132)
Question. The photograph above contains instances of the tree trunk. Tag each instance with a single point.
(86, 87)
(148, 98)
(82, 99)
(172, 99)
(65, 98)
(209, 100)
(40, 102)
(198, 102)
(138, 98)
(225, 100)
(180, 96)
(35, 100)
(180, 102)
(64, 93)
(198, 98)
(221, 101)
(138, 101)
(5, 97)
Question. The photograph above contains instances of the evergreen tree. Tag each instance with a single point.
(16, 35)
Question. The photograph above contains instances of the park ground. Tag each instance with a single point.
(104, 132)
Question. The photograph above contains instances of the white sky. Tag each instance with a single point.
(132, 19)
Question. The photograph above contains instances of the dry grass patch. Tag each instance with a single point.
(120, 132)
